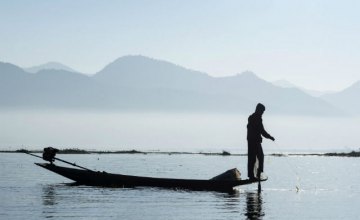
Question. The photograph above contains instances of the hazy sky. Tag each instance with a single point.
(311, 43)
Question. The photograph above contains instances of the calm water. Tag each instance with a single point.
(310, 187)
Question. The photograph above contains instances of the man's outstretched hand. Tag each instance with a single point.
(272, 138)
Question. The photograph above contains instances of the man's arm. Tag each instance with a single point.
(265, 134)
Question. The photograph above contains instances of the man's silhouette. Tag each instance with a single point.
(255, 130)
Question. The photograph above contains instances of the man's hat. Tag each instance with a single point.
(260, 107)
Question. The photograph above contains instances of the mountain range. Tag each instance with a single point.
(138, 83)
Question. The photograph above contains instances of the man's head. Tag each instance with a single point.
(260, 108)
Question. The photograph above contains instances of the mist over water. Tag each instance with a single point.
(191, 132)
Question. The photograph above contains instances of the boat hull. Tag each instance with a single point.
(96, 178)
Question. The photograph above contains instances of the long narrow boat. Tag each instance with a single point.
(96, 178)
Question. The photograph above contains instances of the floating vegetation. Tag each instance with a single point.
(128, 152)
(351, 154)
(223, 153)
(73, 151)
(278, 155)
(22, 151)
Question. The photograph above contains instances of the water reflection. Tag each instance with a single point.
(56, 197)
(243, 203)
(254, 206)
(49, 195)
(49, 200)
(230, 201)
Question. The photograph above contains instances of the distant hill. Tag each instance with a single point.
(143, 72)
(46, 89)
(347, 99)
(284, 83)
(287, 84)
(49, 66)
(142, 84)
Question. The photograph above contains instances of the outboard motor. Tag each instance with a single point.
(49, 154)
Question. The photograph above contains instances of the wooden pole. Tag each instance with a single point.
(259, 183)
(64, 161)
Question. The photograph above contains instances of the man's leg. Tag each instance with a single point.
(251, 159)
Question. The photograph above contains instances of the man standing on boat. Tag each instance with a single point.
(255, 130)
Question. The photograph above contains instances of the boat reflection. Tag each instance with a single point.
(49, 197)
(237, 204)
(231, 201)
(49, 200)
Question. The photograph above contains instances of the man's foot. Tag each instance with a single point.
(263, 176)
(252, 178)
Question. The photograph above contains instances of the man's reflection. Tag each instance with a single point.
(254, 206)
